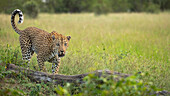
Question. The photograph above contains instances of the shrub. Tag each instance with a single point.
(11, 55)
(36, 90)
(31, 9)
(152, 8)
(101, 7)
(11, 92)
(93, 85)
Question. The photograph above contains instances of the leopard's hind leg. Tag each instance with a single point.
(26, 48)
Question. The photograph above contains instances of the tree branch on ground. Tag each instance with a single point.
(38, 76)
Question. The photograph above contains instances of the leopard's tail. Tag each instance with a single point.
(21, 19)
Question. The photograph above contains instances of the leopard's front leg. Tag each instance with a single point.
(55, 66)
(41, 63)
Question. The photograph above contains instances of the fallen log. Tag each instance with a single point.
(38, 76)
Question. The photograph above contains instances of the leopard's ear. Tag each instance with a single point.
(68, 38)
(53, 37)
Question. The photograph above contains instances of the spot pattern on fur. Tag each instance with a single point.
(21, 19)
(56, 65)
(48, 46)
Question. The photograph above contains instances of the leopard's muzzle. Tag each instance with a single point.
(61, 54)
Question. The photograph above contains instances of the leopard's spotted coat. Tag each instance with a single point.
(48, 46)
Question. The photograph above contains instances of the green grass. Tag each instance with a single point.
(124, 42)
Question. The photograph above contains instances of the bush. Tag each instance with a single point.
(11, 92)
(31, 9)
(11, 55)
(101, 7)
(152, 8)
(95, 86)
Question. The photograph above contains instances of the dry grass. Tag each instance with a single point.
(124, 42)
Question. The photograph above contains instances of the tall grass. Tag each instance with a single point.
(124, 42)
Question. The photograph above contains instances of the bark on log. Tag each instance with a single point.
(38, 76)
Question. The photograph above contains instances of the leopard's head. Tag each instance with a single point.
(60, 44)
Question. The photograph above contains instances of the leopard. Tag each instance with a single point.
(50, 47)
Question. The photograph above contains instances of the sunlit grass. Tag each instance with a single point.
(124, 42)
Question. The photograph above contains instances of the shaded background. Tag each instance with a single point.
(77, 6)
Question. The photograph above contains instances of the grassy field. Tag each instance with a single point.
(124, 42)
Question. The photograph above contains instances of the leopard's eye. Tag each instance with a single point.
(65, 44)
(58, 44)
